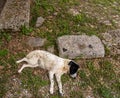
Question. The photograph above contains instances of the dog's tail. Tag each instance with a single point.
(24, 59)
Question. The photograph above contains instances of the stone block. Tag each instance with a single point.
(72, 46)
(15, 14)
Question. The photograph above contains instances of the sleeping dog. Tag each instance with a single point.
(55, 65)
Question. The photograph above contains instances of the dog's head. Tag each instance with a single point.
(73, 69)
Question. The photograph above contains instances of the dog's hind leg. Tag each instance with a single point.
(24, 59)
(26, 65)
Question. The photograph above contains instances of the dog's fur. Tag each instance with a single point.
(55, 65)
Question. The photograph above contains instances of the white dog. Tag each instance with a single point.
(55, 65)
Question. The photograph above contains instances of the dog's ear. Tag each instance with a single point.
(73, 67)
(71, 63)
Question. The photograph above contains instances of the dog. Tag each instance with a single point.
(55, 65)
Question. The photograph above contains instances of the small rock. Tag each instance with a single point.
(80, 46)
(39, 21)
(74, 12)
(107, 22)
(51, 49)
(55, 14)
(35, 41)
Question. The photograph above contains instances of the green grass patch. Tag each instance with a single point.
(64, 1)
(82, 18)
(85, 81)
(3, 80)
(40, 8)
(107, 51)
(25, 30)
(5, 35)
(32, 82)
(107, 70)
(76, 94)
(104, 2)
(12, 63)
(55, 96)
(3, 52)
(65, 78)
(104, 92)
(97, 79)
(64, 23)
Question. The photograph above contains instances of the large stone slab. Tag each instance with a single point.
(80, 46)
(111, 39)
(15, 14)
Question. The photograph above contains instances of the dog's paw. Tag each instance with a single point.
(51, 92)
(17, 62)
(19, 71)
(61, 94)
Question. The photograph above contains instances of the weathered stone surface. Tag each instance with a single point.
(80, 46)
(14, 14)
(35, 41)
(112, 41)
(39, 21)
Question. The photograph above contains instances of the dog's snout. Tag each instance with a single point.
(73, 76)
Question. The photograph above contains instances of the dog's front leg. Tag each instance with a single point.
(58, 78)
(51, 76)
